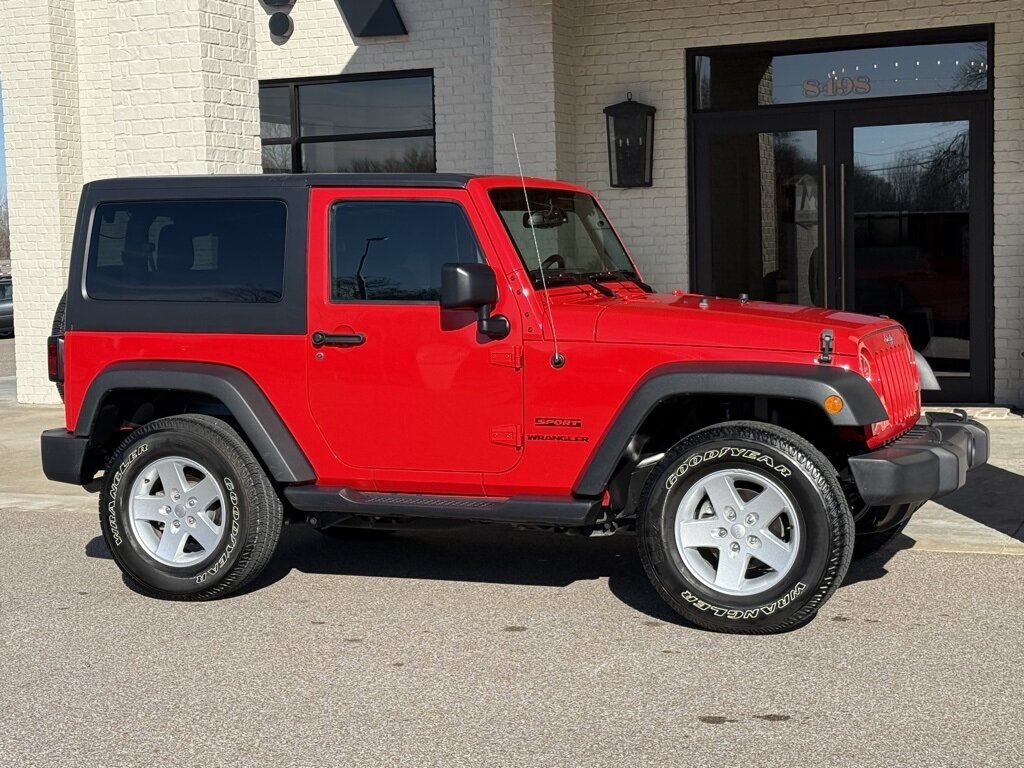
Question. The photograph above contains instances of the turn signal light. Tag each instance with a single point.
(833, 404)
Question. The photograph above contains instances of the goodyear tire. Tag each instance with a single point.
(187, 511)
(58, 328)
(743, 527)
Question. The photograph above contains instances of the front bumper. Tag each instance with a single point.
(929, 461)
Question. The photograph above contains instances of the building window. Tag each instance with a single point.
(758, 76)
(381, 123)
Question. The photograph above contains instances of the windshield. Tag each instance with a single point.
(575, 241)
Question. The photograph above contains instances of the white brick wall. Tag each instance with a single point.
(523, 86)
(96, 113)
(184, 87)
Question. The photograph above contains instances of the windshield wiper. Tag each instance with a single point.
(628, 274)
(557, 277)
(601, 287)
(564, 278)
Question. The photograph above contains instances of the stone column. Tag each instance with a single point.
(38, 64)
(532, 89)
(184, 87)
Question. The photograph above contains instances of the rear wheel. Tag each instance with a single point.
(743, 527)
(187, 511)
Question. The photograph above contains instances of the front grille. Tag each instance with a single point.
(895, 379)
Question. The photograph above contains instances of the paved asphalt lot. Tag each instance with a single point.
(492, 647)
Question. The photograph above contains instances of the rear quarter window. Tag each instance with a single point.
(203, 250)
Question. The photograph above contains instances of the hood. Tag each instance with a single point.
(696, 321)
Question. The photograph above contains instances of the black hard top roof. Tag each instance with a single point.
(271, 181)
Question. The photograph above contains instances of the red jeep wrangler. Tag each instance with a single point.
(384, 351)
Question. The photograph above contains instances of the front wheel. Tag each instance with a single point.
(187, 511)
(743, 527)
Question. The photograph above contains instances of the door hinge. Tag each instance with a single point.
(507, 434)
(510, 357)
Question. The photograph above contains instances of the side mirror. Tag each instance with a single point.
(473, 286)
(468, 286)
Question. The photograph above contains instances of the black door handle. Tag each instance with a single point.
(321, 339)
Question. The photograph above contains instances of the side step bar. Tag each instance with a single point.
(563, 512)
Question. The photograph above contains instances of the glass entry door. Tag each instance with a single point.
(877, 211)
(913, 230)
(854, 174)
(766, 233)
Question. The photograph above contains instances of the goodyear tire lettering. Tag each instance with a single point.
(232, 535)
(727, 453)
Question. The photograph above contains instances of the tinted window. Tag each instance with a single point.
(6, 291)
(366, 123)
(368, 106)
(750, 78)
(393, 251)
(188, 251)
(275, 113)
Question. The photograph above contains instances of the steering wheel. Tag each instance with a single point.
(554, 260)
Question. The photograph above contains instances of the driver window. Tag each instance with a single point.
(384, 250)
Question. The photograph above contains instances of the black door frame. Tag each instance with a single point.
(834, 122)
(727, 124)
(979, 385)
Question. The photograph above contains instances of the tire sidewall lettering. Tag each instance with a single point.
(111, 505)
(236, 516)
(744, 613)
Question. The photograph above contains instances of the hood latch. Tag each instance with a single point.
(827, 345)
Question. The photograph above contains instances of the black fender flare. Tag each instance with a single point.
(259, 421)
(792, 381)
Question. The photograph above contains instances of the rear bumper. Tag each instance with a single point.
(68, 458)
(929, 461)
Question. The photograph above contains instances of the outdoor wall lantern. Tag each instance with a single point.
(280, 23)
(630, 143)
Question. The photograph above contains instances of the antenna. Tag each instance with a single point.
(557, 359)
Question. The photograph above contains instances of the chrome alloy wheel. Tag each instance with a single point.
(737, 532)
(177, 511)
